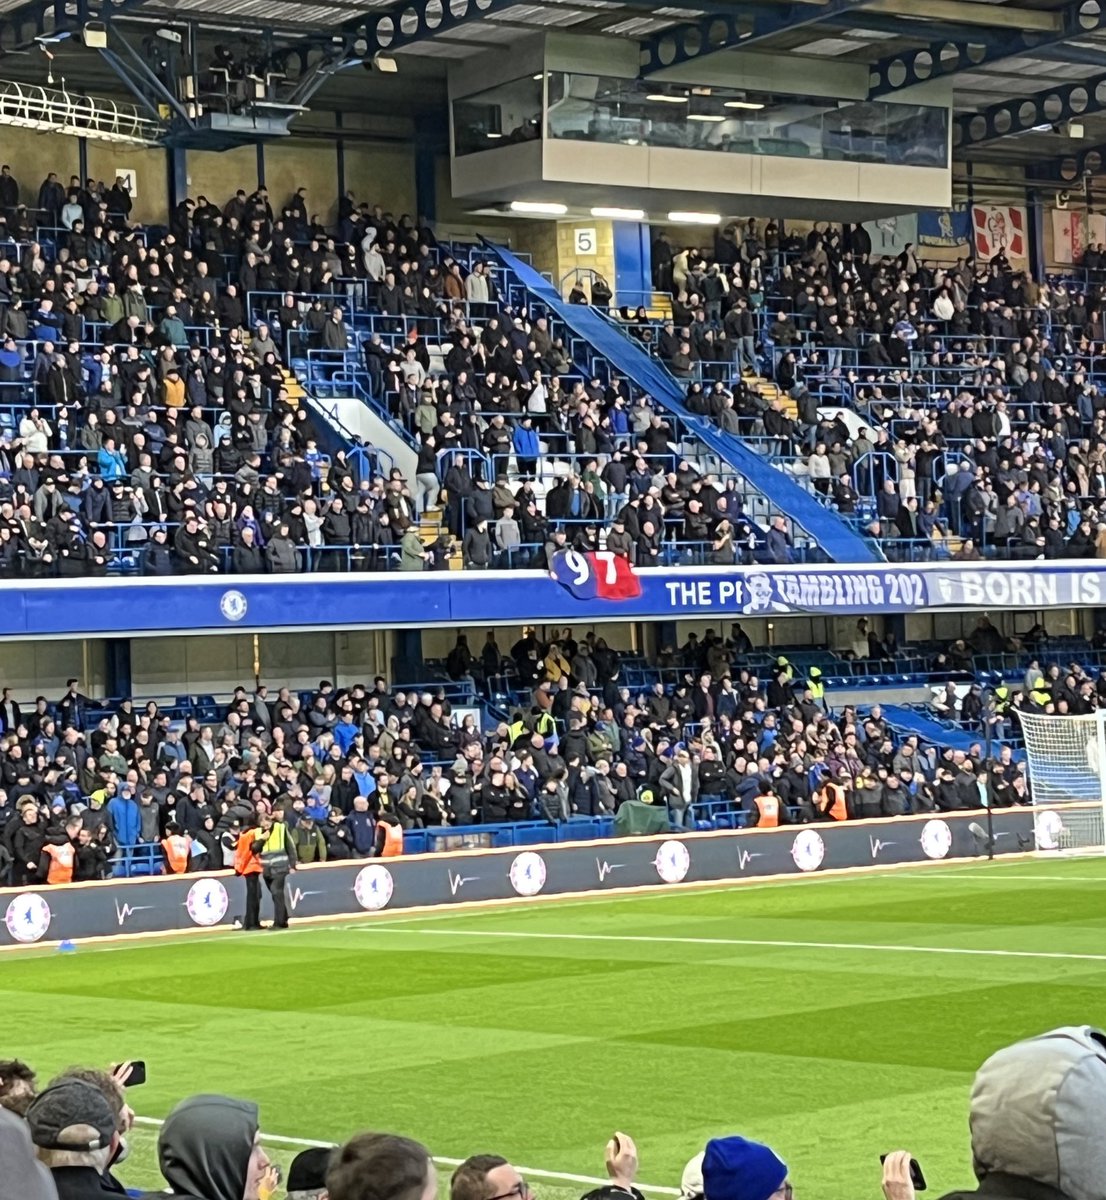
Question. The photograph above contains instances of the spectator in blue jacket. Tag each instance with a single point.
(126, 821)
(111, 462)
(362, 776)
(345, 733)
(46, 322)
(527, 448)
(362, 826)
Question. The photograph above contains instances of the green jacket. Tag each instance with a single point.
(310, 845)
(411, 551)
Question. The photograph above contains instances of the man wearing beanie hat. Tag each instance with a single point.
(75, 1133)
(736, 1169)
(307, 1174)
(1036, 1117)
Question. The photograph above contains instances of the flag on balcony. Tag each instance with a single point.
(999, 227)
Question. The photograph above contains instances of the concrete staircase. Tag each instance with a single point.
(770, 392)
(295, 388)
(431, 527)
(659, 307)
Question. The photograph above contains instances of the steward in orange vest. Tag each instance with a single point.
(389, 837)
(58, 861)
(247, 860)
(247, 863)
(765, 812)
(830, 801)
(177, 848)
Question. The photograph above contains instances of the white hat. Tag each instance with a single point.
(691, 1181)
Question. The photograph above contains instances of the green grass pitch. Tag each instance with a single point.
(536, 1031)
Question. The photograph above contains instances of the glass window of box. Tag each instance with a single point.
(633, 112)
(500, 116)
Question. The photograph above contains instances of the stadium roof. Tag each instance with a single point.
(993, 52)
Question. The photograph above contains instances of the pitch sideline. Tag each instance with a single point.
(566, 1177)
(777, 943)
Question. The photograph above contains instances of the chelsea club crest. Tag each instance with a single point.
(232, 605)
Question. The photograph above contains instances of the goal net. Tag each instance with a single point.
(1066, 756)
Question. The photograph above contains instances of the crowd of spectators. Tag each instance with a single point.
(979, 385)
(518, 449)
(349, 769)
(147, 423)
(68, 1141)
(141, 392)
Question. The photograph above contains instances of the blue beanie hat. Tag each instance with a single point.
(737, 1169)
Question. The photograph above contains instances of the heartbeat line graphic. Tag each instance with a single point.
(877, 845)
(743, 857)
(457, 882)
(123, 911)
(605, 868)
(295, 895)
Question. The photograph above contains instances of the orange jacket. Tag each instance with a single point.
(246, 862)
(768, 812)
(172, 393)
(62, 859)
(834, 795)
(393, 840)
(177, 853)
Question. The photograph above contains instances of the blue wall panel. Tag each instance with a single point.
(71, 608)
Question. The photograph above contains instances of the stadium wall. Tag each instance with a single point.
(581, 588)
(339, 891)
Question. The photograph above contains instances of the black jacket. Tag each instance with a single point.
(82, 1183)
(1009, 1187)
(205, 1148)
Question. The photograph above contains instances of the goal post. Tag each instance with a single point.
(1066, 756)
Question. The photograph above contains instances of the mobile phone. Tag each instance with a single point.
(917, 1179)
(137, 1077)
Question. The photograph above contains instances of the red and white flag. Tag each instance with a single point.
(998, 228)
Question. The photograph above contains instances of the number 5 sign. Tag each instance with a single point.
(585, 243)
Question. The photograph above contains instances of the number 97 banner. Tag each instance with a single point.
(595, 575)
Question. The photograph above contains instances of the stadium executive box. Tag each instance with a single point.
(582, 587)
(340, 890)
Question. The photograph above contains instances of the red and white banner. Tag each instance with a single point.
(1073, 231)
(996, 228)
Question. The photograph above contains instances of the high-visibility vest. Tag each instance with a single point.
(177, 852)
(245, 861)
(545, 725)
(62, 859)
(393, 840)
(768, 808)
(817, 689)
(837, 810)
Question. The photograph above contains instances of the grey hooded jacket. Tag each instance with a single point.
(23, 1177)
(1037, 1113)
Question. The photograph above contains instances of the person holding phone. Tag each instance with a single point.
(490, 1177)
(902, 1177)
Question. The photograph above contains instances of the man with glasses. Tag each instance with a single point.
(489, 1177)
